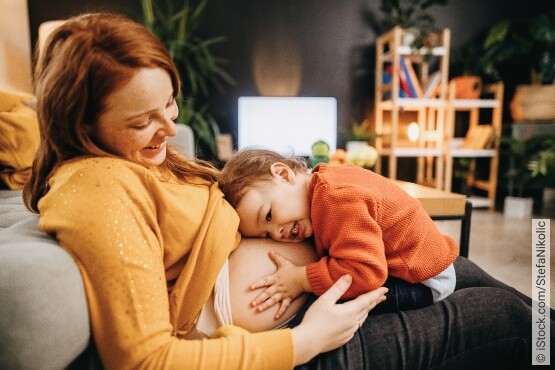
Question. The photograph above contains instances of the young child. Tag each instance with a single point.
(362, 223)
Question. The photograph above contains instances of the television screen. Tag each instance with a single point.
(289, 125)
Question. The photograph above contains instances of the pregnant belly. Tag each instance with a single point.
(250, 262)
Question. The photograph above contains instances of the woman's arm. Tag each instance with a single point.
(114, 238)
(325, 326)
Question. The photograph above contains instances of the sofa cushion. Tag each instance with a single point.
(19, 138)
(43, 316)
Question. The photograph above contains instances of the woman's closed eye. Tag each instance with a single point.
(143, 124)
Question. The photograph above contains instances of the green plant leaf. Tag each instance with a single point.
(497, 34)
(175, 23)
(531, 162)
(148, 14)
(542, 29)
(194, 19)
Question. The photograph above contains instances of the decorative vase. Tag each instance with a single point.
(467, 87)
(533, 103)
(361, 154)
(355, 144)
(518, 208)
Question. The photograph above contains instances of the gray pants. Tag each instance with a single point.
(484, 324)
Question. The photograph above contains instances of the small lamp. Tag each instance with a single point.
(413, 131)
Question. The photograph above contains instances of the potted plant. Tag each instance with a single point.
(359, 134)
(175, 23)
(520, 52)
(531, 166)
(414, 17)
(531, 40)
(467, 71)
(461, 171)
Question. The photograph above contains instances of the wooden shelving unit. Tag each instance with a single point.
(455, 148)
(392, 142)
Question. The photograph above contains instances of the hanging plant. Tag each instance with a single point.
(531, 162)
(414, 17)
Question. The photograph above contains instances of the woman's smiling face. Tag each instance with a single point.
(138, 118)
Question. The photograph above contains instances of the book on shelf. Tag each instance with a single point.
(411, 77)
(431, 86)
(409, 86)
(387, 79)
(479, 137)
(403, 81)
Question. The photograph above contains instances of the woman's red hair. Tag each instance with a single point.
(85, 60)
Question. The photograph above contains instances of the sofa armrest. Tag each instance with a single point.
(184, 140)
(44, 319)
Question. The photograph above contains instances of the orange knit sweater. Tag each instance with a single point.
(367, 226)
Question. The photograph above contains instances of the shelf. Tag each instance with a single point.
(461, 104)
(412, 103)
(472, 153)
(456, 149)
(402, 70)
(410, 52)
(412, 152)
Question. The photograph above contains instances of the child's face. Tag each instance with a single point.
(278, 208)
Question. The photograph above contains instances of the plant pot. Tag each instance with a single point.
(548, 206)
(467, 87)
(533, 103)
(518, 208)
(361, 154)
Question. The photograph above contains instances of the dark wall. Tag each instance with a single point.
(329, 44)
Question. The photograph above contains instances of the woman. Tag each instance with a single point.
(155, 241)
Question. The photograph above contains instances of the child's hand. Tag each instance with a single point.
(286, 284)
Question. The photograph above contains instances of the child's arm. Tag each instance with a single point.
(286, 284)
(349, 240)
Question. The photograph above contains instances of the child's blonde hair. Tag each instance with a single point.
(249, 167)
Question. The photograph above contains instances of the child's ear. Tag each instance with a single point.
(283, 171)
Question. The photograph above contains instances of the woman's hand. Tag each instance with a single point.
(328, 325)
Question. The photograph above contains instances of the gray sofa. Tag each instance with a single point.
(44, 322)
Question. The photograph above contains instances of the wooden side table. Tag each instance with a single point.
(443, 205)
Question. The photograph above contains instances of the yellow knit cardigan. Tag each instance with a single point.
(149, 252)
